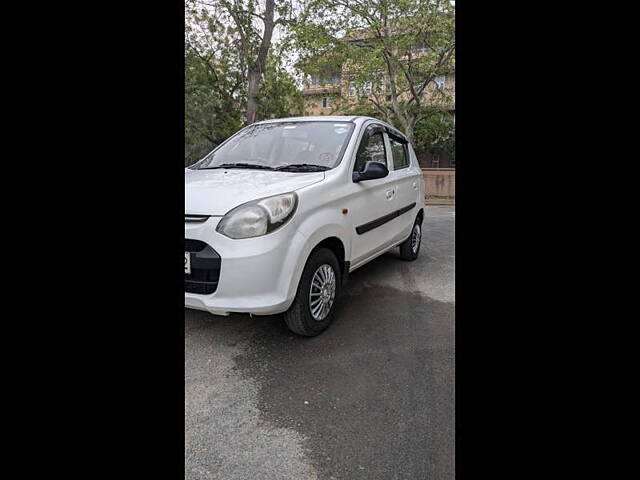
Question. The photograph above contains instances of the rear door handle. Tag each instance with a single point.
(415, 185)
(390, 194)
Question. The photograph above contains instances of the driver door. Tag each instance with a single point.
(372, 202)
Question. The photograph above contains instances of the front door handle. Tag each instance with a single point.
(415, 185)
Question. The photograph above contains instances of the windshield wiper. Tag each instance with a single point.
(303, 167)
(254, 166)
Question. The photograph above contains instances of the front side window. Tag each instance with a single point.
(280, 145)
(371, 149)
(399, 151)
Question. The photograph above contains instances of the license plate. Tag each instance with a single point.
(187, 263)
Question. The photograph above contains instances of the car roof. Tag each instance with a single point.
(333, 118)
(327, 118)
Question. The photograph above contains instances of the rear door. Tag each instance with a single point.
(407, 176)
(372, 203)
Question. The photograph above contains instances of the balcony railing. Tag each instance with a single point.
(315, 89)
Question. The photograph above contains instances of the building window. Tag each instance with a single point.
(366, 89)
(435, 160)
(329, 79)
(440, 81)
(326, 102)
(352, 89)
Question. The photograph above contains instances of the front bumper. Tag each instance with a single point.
(255, 275)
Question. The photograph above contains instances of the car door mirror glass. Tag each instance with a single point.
(372, 170)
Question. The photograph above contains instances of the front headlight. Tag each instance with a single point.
(259, 217)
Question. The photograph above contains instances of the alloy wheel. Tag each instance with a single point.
(322, 292)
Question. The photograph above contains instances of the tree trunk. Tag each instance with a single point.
(253, 87)
(256, 69)
(409, 133)
(409, 126)
(408, 120)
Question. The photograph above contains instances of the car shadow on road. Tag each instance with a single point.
(373, 394)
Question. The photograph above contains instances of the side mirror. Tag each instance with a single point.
(372, 170)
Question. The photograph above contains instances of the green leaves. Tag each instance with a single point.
(401, 44)
(222, 41)
(435, 131)
(392, 50)
(279, 94)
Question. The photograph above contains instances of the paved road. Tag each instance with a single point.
(371, 398)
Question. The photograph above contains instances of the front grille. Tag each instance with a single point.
(194, 246)
(205, 268)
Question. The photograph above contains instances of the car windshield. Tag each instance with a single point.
(292, 146)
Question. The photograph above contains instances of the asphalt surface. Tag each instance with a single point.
(370, 398)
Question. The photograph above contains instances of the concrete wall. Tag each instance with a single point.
(440, 185)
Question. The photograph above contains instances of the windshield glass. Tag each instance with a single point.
(284, 145)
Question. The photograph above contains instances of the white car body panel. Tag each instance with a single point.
(261, 275)
(215, 192)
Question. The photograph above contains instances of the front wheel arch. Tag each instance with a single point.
(337, 247)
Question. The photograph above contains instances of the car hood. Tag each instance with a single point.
(215, 192)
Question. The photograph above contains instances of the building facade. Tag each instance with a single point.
(334, 94)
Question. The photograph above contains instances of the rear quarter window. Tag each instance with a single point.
(400, 153)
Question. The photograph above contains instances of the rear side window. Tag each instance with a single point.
(371, 149)
(400, 154)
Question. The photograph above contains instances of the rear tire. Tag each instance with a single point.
(312, 310)
(410, 248)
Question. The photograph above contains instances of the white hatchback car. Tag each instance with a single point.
(278, 215)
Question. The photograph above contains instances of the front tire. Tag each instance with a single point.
(319, 288)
